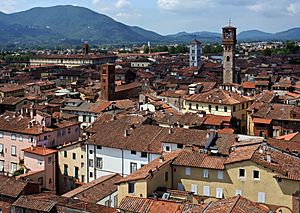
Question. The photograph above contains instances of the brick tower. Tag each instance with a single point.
(229, 47)
(107, 75)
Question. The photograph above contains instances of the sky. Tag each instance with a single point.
(173, 16)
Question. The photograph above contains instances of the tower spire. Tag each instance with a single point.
(229, 22)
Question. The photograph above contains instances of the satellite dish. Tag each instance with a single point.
(166, 196)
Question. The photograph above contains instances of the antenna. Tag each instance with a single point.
(229, 22)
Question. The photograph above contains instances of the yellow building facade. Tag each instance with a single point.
(72, 163)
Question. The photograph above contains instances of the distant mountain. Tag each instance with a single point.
(60, 25)
(203, 36)
(291, 34)
(70, 23)
(252, 35)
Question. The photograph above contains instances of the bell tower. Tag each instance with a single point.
(107, 75)
(229, 47)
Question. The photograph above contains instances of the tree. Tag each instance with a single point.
(171, 50)
(146, 49)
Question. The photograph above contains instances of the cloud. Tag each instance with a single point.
(268, 8)
(8, 6)
(122, 3)
(294, 8)
(168, 4)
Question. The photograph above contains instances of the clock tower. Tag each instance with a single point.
(229, 46)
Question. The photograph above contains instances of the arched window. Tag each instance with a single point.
(228, 58)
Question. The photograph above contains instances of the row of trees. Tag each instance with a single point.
(289, 47)
(14, 57)
(209, 48)
(171, 49)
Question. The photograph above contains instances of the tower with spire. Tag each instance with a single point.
(229, 49)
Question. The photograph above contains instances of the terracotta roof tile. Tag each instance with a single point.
(95, 190)
(40, 151)
(218, 96)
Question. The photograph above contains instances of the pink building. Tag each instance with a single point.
(40, 164)
(21, 131)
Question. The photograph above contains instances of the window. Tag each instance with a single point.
(1, 148)
(13, 150)
(190, 106)
(209, 107)
(50, 180)
(167, 149)
(30, 139)
(40, 180)
(130, 187)
(21, 138)
(205, 173)
(179, 146)
(40, 162)
(187, 171)
(227, 58)
(133, 167)
(242, 173)
(197, 106)
(13, 167)
(166, 176)
(206, 190)
(116, 201)
(76, 172)
(99, 163)
(220, 175)
(13, 136)
(91, 152)
(65, 169)
(180, 187)
(69, 130)
(1, 135)
(194, 188)
(82, 178)
(261, 197)
(144, 154)
(49, 160)
(217, 108)
(233, 109)
(219, 193)
(91, 174)
(225, 109)
(74, 156)
(255, 175)
(91, 163)
(238, 192)
(107, 203)
(1, 165)
(133, 152)
(65, 154)
(99, 147)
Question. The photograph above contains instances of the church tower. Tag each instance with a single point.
(195, 53)
(107, 73)
(229, 47)
(85, 49)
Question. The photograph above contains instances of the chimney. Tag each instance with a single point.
(269, 158)
(170, 130)
(161, 159)
(31, 148)
(125, 133)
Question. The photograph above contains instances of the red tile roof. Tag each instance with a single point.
(40, 151)
(219, 96)
(262, 120)
(95, 190)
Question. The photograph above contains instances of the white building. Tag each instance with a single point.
(195, 53)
